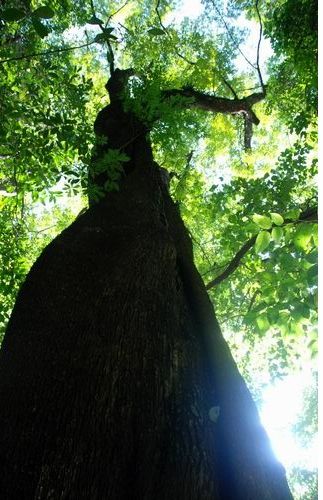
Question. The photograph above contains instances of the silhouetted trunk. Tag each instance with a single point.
(115, 380)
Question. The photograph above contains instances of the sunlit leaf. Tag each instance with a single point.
(156, 32)
(262, 323)
(276, 218)
(315, 234)
(262, 221)
(277, 234)
(303, 235)
(292, 214)
(262, 241)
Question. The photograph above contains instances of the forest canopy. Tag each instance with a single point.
(245, 181)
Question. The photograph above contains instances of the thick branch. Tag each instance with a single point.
(233, 264)
(310, 214)
(215, 104)
(247, 133)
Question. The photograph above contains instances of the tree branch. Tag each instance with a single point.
(233, 264)
(258, 47)
(110, 51)
(229, 31)
(235, 95)
(252, 301)
(45, 52)
(310, 214)
(247, 133)
(169, 36)
(117, 11)
(215, 104)
(236, 44)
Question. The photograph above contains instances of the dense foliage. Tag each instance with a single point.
(252, 212)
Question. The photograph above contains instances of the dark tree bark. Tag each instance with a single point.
(115, 380)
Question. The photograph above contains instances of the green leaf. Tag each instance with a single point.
(276, 218)
(315, 234)
(273, 315)
(266, 276)
(292, 214)
(262, 241)
(312, 257)
(105, 36)
(312, 274)
(250, 318)
(156, 32)
(262, 323)
(94, 20)
(12, 14)
(262, 221)
(284, 322)
(260, 307)
(302, 235)
(40, 28)
(44, 12)
(277, 234)
(312, 342)
(303, 310)
(100, 38)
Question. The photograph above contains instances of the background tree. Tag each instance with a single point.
(179, 72)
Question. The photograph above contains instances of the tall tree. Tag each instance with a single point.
(116, 381)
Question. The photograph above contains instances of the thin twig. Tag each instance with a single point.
(229, 31)
(169, 36)
(125, 28)
(188, 159)
(117, 11)
(235, 95)
(213, 268)
(252, 301)
(103, 29)
(185, 170)
(253, 88)
(44, 53)
(206, 257)
(43, 230)
(258, 47)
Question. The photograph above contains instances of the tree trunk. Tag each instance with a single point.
(115, 380)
